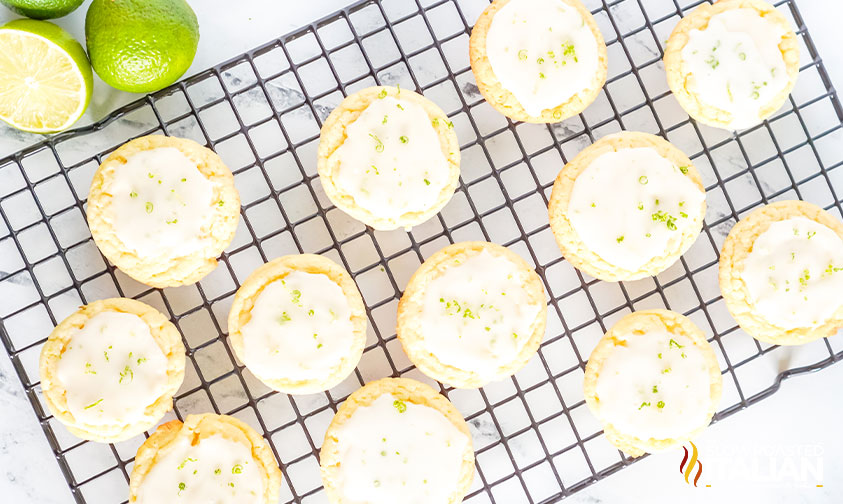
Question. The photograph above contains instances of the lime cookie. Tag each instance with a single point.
(732, 64)
(109, 371)
(538, 61)
(653, 381)
(781, 273)
(298, 323)
(208, 458)
(473, 313)
(162, 209)
(397, 440)
(388, 157)
(627, 207)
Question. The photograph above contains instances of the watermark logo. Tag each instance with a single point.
(686, 467)
(766, 464)
(760, 464)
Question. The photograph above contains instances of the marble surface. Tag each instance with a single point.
(778, 450)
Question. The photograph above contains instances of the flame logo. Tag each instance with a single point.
(690, 467)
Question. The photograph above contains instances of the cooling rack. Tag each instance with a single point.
(261, 111)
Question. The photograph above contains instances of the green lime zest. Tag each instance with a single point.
(378, 143)
(93, 404)
(185, 461)
(127, 372)
(669, 220)
(804, 277)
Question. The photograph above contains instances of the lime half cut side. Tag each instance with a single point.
(45, 77)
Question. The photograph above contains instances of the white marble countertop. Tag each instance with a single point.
(770, 452)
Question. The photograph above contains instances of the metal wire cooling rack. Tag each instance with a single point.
(261, 111)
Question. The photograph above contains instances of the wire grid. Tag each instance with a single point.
(534, 438)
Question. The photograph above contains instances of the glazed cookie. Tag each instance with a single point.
(162, 209)
(208, 458)
(732, 64)
(653, 381)
(388, 157)
(781, 273)
(109, 371)
(397, 440)
(538, 61)
(627, 207)
(298, 323)
(473, 313)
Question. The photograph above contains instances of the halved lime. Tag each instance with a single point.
(45, 77)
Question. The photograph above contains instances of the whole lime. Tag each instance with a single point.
(42, 9)
(141, 46)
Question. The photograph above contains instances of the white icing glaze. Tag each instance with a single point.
(396, 451)
(112, 369)
(476, 315)
(794, 273)
(632, 205)
(655, 385)
(161, 203)
(391, 162)
(737, 64)
(300, 328)
(215, 470)
(542, 51)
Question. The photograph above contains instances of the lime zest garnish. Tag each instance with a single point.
(93, 404)
(378, 143)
